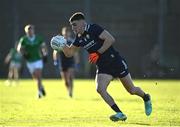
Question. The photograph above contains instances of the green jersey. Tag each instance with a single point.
(32, 47)
(15, 56)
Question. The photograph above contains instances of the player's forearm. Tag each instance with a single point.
(44, 49)
(54, 55)
(106, 45)
(22, 50)
(7, 59)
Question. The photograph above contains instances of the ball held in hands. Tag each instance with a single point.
(58, 42)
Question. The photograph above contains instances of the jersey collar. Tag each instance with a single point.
(85, 30)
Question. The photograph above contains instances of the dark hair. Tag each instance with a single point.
(76, 16)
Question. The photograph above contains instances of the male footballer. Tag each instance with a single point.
(65, 64)
(34, 51)
(98, 42)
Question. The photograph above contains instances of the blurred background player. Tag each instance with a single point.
(152, 65)
(98, 42)
(34, 50)
(14, 58)
(66, 65)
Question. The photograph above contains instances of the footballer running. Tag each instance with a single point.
(34, 50)
(65, 64)
(98, 42)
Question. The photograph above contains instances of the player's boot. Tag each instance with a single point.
(41, 92)
(148, 105)
(70, 93)
(40, 95)
(118, 116)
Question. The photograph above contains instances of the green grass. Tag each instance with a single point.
(19, 105)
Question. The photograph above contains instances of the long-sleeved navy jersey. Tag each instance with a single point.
(109, 62)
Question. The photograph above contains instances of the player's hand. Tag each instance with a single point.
(56, 63)
(58, 42)
(93, 57)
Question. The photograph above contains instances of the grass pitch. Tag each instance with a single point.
(19, 105)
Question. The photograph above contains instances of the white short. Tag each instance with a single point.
(32, 66)
(15, 65)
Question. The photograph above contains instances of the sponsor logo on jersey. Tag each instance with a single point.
(89, 45)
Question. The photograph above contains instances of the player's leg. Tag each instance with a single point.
(66, 75)
(102, 82)
(70, 77)
(37, 75)
(35, 69)
(10, 76)
(133, 90)
(128, 84)
(16, 74)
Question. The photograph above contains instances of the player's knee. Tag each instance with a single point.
(66, 83)
(132, 90)
(101, 91)
(36, 75)
(98, 90)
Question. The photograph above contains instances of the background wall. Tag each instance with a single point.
(144, 30)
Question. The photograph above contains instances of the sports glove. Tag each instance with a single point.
(93, 57)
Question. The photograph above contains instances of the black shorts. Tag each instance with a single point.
(66, 65)
(112, 64)
(66, 62)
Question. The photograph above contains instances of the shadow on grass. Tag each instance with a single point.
(137, 123)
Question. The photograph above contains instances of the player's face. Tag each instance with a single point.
(78, 26)
(66, 33)
(30, 32)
